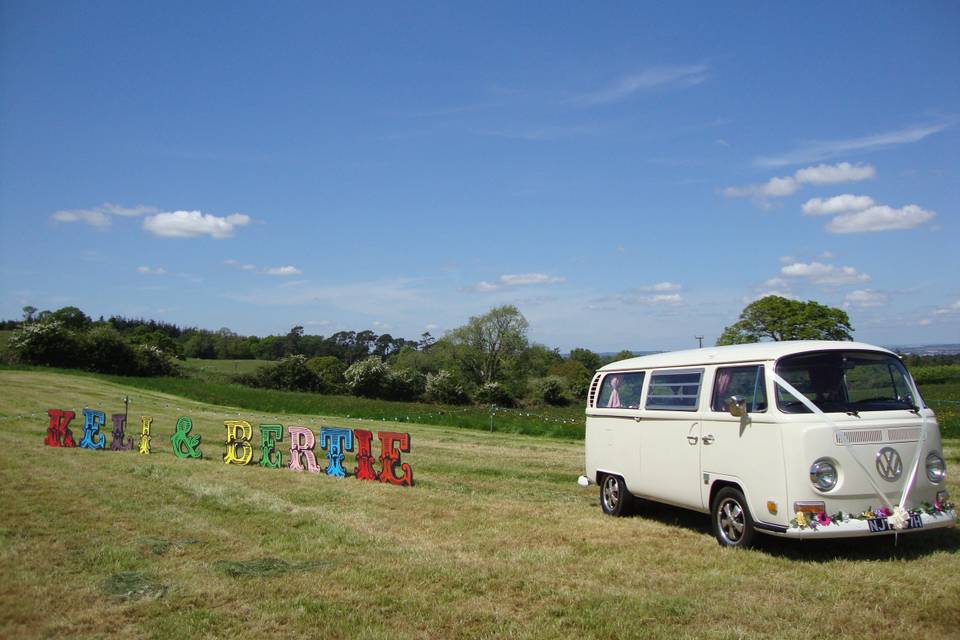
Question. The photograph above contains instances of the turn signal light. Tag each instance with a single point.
(772, 507)
(810, 507)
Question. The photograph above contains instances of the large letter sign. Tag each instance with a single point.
(364, 469)
(92, 421)
(302, 443)
(241, 441)
(270, 434)
(390, 458)
(336, 441)
(119, 424)
(58, 433)
(185, 445)
(144, 447)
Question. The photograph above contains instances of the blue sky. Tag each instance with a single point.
(629, 175)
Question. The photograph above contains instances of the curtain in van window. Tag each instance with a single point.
(614, 401)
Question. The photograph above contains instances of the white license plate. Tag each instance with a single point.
(878, 525)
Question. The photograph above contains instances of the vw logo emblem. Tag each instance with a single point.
(889, 465)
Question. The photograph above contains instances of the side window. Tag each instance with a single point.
(621, 391)
(679, 390)
(746, 382)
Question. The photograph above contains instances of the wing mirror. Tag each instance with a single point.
(737, 406)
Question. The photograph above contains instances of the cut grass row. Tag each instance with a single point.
(495, 540)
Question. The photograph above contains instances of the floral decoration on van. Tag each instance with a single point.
(822, 519)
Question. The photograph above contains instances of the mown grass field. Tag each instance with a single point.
(219, 370)
(495, 540)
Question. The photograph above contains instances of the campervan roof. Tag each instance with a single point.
(754, 352)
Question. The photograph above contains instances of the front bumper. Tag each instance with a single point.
(861, 528)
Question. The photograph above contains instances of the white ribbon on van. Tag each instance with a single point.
(900, 516)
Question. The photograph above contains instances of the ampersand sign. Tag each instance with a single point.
(185, 445)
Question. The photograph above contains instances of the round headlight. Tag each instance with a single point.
(823, 474)
(936, 468)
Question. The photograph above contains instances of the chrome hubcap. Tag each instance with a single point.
(731, 520)
(611, 493)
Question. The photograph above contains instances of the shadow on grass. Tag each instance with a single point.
(905, 546)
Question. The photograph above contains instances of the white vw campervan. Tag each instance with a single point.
(800, 439)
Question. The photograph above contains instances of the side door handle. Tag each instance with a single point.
(708, 439)
(692, 439)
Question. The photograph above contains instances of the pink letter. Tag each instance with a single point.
(302, 442)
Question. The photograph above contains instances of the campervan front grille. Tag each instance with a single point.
(903, 434)
(862, 436)
(592, 399)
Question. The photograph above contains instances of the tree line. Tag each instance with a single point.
(490, 359)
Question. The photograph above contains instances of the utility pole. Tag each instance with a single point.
(700, 340)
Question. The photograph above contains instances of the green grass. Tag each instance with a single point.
(219, 370)
(496, 540)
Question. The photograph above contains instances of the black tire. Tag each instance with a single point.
(730, 518)
(615, 500)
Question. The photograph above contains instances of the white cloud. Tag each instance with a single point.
(231, 262)
(834, 173)
(779, 187)
(837, 204)
(282, 271)
(381, 325)
(318, 323)
(770, 292)
(948, 309)
(661, 298)
(880, 218)
(248, 267)
(128, 212)
(646, 80)
(865, 298)
(158, 271)
(825, 274)
(516, 280)
(529, 278)
(100, 217)
(92, 217)
(662, 286)
(817, 150)
(776, 283)
(191, 224)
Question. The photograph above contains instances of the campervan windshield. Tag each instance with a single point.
(846, 381)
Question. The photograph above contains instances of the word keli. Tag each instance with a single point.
(336, 441)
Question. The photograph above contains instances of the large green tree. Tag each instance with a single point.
(490, 344)
(779, 318)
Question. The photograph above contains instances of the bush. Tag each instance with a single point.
(445, 388)
(550, 390)
(494, 393)
(367, 377)
(404, 384)
(106, 351)
(329, 371)
(154, 361)
(49, 343)
(937, 374)
(288, 374)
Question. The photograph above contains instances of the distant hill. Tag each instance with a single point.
(929, 349)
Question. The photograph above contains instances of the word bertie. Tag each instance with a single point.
(335, 441)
